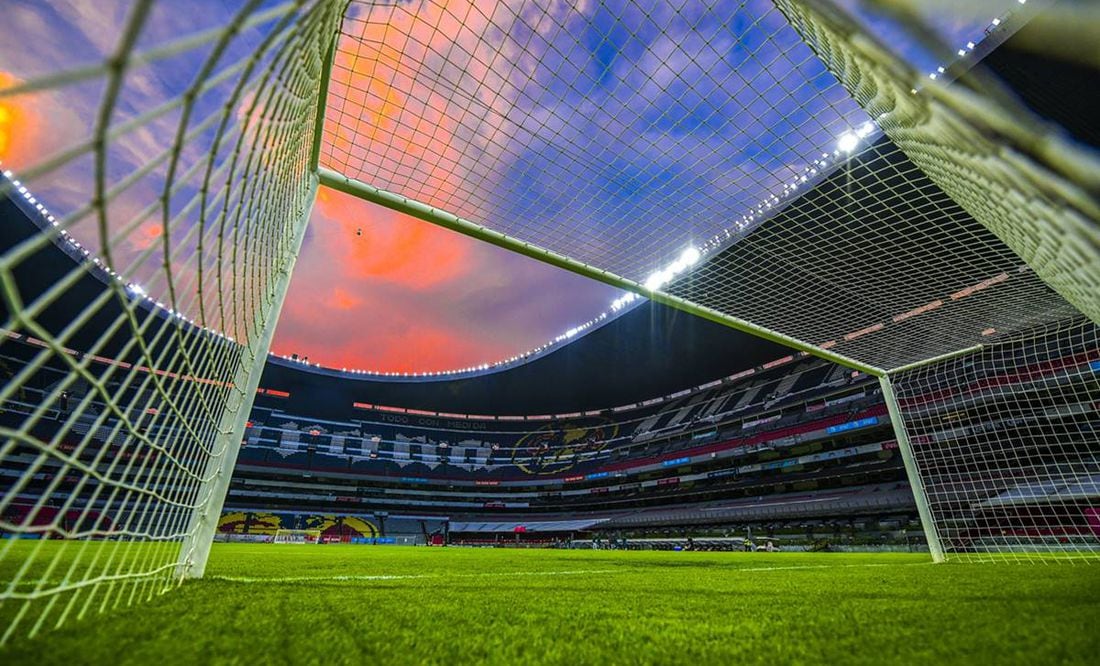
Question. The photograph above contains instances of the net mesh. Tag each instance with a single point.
(967, 223)
(878, 264)
(297, 536)
(1018, 176)
(1006, 441)
(121, 425)
(588, 129)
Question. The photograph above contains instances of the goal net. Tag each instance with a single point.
(772, 166)
(147, 245)
(297, 536)
(1006, 442)
(998, 411)
(925, 216)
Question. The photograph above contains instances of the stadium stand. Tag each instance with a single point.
(790, 438)
(761, 436)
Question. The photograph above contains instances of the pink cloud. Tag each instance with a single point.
(372, 289)
(372, 242)
(407, 296)
(400, 110)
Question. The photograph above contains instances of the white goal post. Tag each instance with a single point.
(297, 536)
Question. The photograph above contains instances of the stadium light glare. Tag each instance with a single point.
(847, 142)
(690, 256)
(655, 281)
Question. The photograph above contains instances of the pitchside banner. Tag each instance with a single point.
(852, 425)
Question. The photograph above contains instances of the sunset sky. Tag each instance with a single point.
(572, 120)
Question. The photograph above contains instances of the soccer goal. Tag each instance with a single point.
(936, 236)
(297, 536)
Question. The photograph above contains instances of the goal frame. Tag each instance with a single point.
(195, 548)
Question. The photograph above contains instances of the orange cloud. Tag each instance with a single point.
(422, 93)
(20, 125)
(370, 242)
(419, 98)
(372, 288)
(379, 322)
(145, 235)
(407, 296)
(411, 350)
(342, 299)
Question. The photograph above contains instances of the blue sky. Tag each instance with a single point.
(614, 132)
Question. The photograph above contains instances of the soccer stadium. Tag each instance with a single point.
(549, 331)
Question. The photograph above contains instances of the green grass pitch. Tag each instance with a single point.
(359, 604)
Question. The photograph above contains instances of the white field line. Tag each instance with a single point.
(492, 574)
(497, 574)
(314, 579)
(835, 566)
